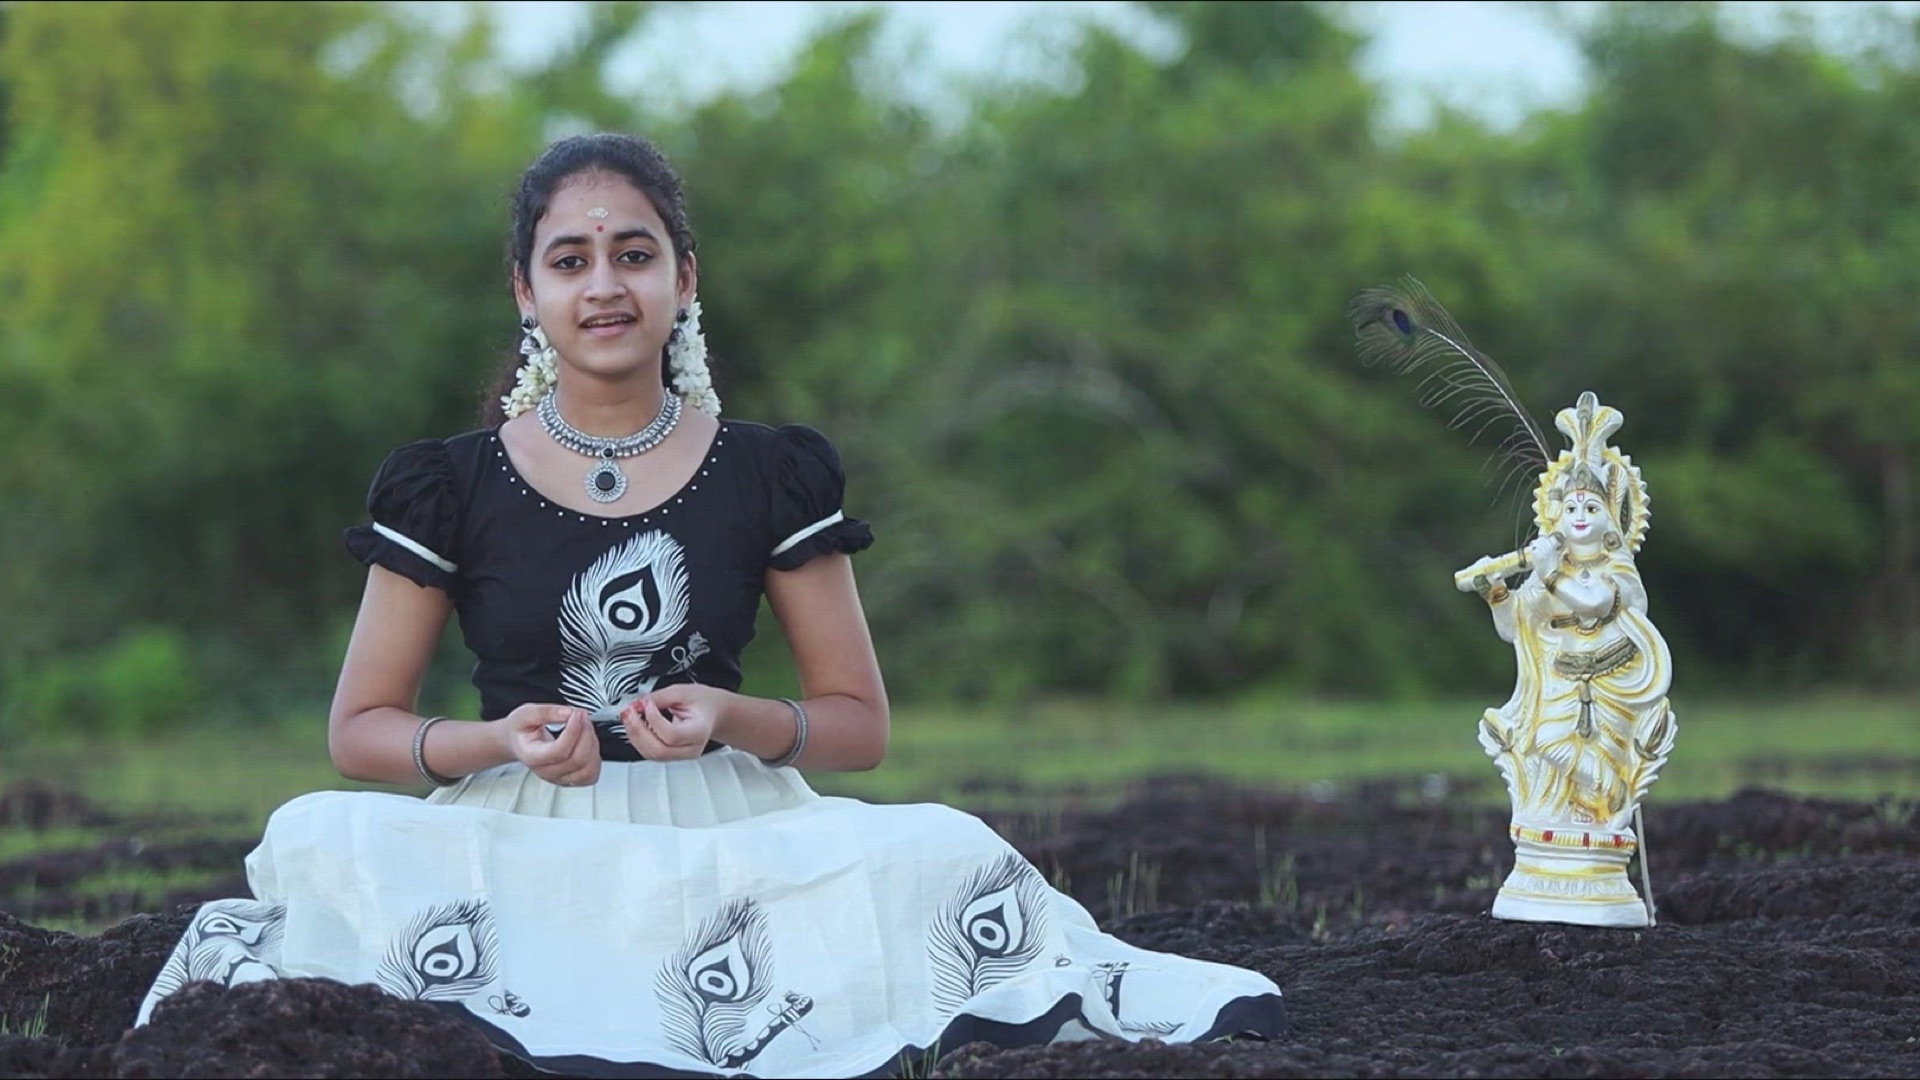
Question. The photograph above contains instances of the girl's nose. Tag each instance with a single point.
(603, 281)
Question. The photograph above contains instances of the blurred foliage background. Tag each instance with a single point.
(1084, 350)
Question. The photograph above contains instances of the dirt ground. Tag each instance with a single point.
(1788, 944)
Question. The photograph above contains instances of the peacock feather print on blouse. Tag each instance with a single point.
(617, 616)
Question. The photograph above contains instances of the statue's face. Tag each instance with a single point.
(1583, 517)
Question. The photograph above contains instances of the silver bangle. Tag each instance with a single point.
(799, 737)
(420, 756)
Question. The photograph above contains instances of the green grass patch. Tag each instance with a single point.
(1840, 746)
(32, 1027)
(221, 772)
(100, 900)
(143, 886)
(1837, 745)
(19, 843)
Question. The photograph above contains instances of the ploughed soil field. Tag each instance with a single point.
(1788, 944)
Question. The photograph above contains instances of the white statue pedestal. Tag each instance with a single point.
(1571, 875)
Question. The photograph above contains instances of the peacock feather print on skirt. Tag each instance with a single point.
(1109, 977)
(228, 942)
(711, 989)
(619, 612)
(992, 928)
(447, 952)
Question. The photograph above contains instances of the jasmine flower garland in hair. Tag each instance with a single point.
(687, 361)
(537, 376)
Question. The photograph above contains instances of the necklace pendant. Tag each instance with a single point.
(606, 483)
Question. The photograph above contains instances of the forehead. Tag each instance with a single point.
(574, 201)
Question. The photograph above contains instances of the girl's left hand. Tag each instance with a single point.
(674, 723)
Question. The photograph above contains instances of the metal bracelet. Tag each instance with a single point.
(420, 757)
(799, 737)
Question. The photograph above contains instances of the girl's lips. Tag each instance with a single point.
(609, 329)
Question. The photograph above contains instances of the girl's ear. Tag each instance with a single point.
(689, 280)
(522, 293)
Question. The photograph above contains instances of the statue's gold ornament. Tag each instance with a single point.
(1588, 726)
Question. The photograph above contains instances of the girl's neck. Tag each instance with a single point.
(609, 410)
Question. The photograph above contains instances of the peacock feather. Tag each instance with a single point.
(1405, 330)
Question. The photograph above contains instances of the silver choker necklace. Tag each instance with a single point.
(606, 483)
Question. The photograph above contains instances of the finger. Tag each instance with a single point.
(555, 718)
(571, 778)
(561, 747)
(578, 730)
(670, 697)
(642, 738)
(667, 727)
(586, 753)
(648, 708)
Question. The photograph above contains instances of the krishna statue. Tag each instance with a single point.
(1588, 726)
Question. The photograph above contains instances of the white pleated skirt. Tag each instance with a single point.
(697, 918)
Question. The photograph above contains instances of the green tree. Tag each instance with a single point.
(1748, 213)
(247, 249)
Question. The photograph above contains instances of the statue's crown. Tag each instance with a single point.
(1589, 464)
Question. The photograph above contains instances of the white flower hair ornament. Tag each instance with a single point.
(687, 362)
(686, 365)
(537, 376)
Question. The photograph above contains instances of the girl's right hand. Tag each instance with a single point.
(569, 757)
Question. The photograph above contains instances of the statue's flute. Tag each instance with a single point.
(1480, 575)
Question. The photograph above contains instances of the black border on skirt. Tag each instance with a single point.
(1260, 1016)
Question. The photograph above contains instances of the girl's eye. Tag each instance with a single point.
(573, 262)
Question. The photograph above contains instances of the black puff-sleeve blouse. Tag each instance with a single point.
(808, 489)
(413, 517)
(562, 606)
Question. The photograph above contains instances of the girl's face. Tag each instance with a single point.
(603, 281)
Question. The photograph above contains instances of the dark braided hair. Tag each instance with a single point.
(628, 156)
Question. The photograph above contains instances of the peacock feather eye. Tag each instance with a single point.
(1401, 322)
